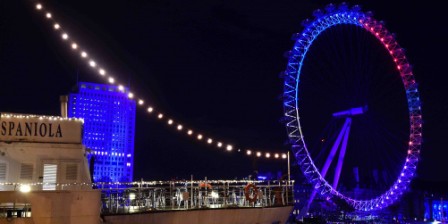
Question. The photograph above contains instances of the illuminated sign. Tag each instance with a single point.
(40, 129)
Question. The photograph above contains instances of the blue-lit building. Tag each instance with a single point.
(436, 209)
(109, 128)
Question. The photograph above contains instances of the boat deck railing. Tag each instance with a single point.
(136, 197)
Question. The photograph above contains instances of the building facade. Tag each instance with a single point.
(109, 127)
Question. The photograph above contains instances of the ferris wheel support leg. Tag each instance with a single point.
(337, 174)
(335, 148)
(306, 208)
(342, 135)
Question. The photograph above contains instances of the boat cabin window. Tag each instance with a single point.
(26, 171)
(50, 177)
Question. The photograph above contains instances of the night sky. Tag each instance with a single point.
(210, 65)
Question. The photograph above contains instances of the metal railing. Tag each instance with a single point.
(117, 198)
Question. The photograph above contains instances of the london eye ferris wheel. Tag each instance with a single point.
(352, 107)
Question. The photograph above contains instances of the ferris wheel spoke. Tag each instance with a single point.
(389, 139)
(383, 144)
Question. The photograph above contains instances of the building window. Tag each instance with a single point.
(71, 171)
(3, 171)
(50, 177)
(26, 171)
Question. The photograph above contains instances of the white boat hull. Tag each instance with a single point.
(271, 215)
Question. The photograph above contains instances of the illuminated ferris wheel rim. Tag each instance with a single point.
(333, 16)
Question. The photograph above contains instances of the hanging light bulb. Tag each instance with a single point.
(25, 188)
(38, 6)
(229, 147)
(56, 26)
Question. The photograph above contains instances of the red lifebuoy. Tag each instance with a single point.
(205, 185)
(247, 192)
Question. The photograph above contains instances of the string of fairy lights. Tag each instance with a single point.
(40, 117)
(147, 183)
(102, 72)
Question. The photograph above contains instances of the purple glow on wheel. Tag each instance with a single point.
(312, 29)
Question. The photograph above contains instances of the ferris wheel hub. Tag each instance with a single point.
(351, 112)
